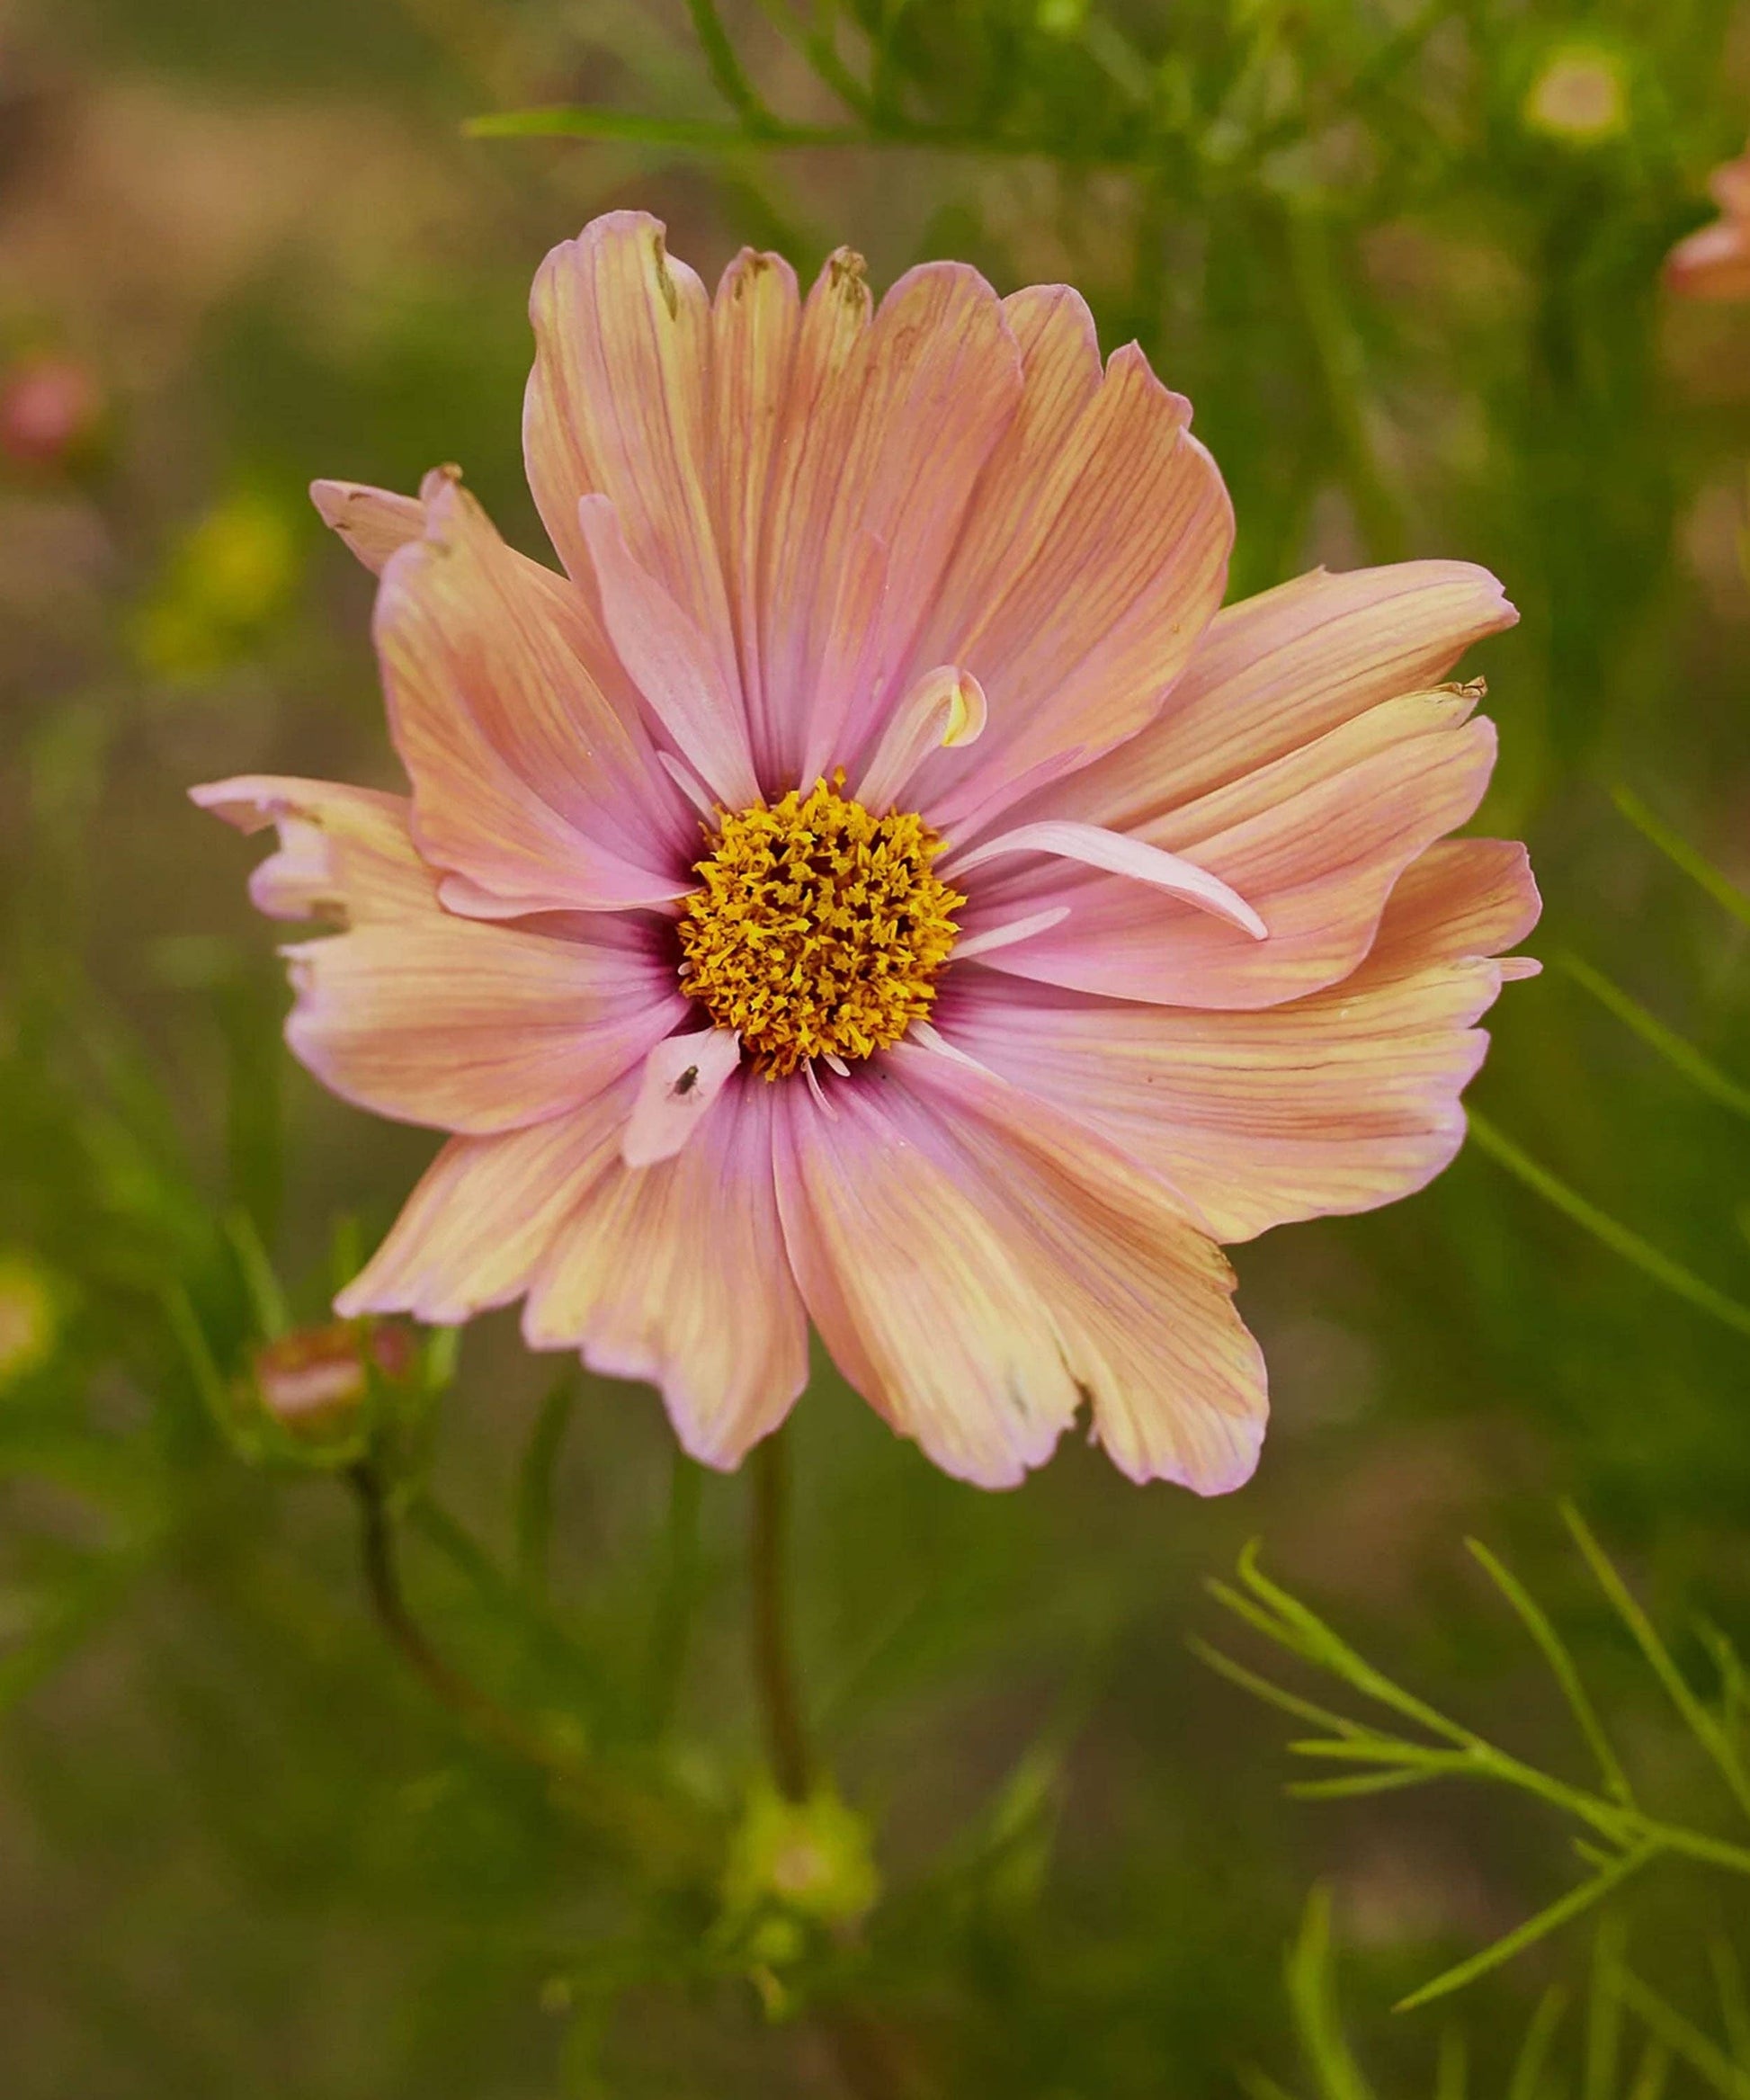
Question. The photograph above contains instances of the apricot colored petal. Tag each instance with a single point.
(1117, 560)
(466, 1026)
(486, 1214)
(669, 662)
(526, 779)
(1314, 843)
(887, 426)
(373, 521)
(756, 319)
(1336, 1103)
(420, 1015)
(681, 1078)
(619, 405)
(676, 1274)
(1464, 896)
(345, 853)
(1279, 671)
(978, 1264)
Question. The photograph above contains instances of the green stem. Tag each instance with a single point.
(774, 1672)
(624, 1814)
(671, 1621)
(1337, 359)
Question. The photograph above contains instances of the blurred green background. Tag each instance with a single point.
(1408, 272)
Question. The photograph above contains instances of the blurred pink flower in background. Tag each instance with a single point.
(876, 885)
(51, 407)
(1714, 262)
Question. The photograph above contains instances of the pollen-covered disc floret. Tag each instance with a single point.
(819, 928)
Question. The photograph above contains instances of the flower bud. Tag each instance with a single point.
(314, 1380)
(810, 1859)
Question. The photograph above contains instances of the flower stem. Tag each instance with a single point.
(383, 1581)
(624, 1814)
(774, 1669)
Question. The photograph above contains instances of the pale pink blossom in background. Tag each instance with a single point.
(1182, 950)
(49, 407)
(1714, 262)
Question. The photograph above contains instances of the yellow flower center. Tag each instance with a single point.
(819, 929)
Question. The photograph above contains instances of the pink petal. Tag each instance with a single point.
(1314, 843)
(1131, 858)
(373, 523)
(944, 709)
(676, 1274)
(526, 779)
(887, 427)
(466, 1026)
(345, 852)
(1713, 263)
(1336, 1103)
(1279, 671)
(619, 405)
(425, 1017)
(1098, 553)
(978, 1266)
(682, 1077)
(755, 318)
(1464, 896)
(486, 1214)
(669, 662)
(849, 656)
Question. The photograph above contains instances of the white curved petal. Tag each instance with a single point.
(946, 709)
(1116, 855)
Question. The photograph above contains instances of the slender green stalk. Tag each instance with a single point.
(1679, 852)
(732, 84)
(1534, 2050)
(1682, 1057)
(1701, 1723)
(1619, 1238)
(1337, 356)
(534, 1486)
(1554, 1648)
(383, 1582)
(672, 1617)
(1560, 1913)
(774, 1674)
(622, 1813)
(1669, 2027)
(1603, 2045)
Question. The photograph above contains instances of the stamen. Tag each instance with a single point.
(817, 930)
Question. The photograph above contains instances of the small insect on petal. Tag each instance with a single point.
(682, 1077)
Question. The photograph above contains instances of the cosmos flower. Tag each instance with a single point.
(1714, 262)
(876, 885)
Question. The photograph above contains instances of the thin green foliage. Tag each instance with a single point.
(534, 1484)
(1679, 852)
(1683, 2038)
(1620, 1240)
(1682, 1057)
(1554, 1652)
(1632, 1838)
